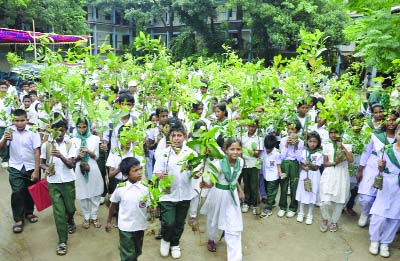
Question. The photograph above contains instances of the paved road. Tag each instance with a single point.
(267, 239)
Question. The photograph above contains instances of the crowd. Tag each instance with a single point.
(311, 163)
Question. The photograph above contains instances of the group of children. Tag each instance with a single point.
(310, 164)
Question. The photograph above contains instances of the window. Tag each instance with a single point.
(107, 17)
(118, 17)
(229, 13)
(125, 39)
(86, 11)
(111, 40)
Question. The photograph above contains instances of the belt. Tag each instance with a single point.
(225, 187)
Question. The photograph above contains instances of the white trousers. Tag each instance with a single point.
(233, 241)
(336, 212)
(383, 229)
(193, 206)
(90, 207)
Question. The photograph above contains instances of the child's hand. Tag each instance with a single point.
(108, 227)
(381, 165)
(162, 175)
(35, 175)
(56, 153)
(204, 184)
(241, 195)
(198, 174)
(103, 146)
(283, 175)
(84, 149)
(256, 153)
(7, 135)
(359, 175)
(81, 154)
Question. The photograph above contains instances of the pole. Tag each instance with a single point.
(34, 39)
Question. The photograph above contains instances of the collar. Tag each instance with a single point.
(26, 129)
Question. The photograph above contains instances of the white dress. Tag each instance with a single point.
(219, 205)
(314, 175)
(335, 181)
(92, 185)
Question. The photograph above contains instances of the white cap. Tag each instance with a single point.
(132, 83)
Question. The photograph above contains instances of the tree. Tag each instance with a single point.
(375, 33)
(58, 16)
(276, 24)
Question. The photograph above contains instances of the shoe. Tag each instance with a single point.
(288, 191)
(175, 252)
(102, 199)
(309, 220)
(300, 217)
(374, 248)
(281, 213)
(245, 208)
(4, 165)
(164, 248)
(266, 213)
(351, 212)
(363, 220)
(96, 223)
(254, 210)
(71, 228)
(324, 225)
(290, 214)
(192, 220)
(86, 224)
(61, 249)
(384, 250)
(333, 227)
(158, 236)
(211, 246)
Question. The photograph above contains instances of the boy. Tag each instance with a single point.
(303, 117)
(252, 143)
(5, 112)
(271, 170)
(61, 182)
(131, 198)
(291, 148)
(23, 167)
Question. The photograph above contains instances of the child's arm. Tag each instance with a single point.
(4, 140)
(110, 215)
(35, 173)
(278, 166)
(348, 154)
(240, 191)
(327, 163)
(68, 162)
(113, 172)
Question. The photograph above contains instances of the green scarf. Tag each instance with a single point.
(229, 175)
(334, 150)
(393, 159)
(382, 137)
(83, 139)
(218, 123)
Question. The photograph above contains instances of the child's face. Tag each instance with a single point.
(135, 173)
(25, 87)
(269, 150)
(312, 143)
(82, 127)
(163, 118)
(34, 97)
(320, 121)
(219, 114)
(27, 103)
(20, 122)
(199, 110)
(252, 129)
(234, 151)
(33, 87)
(154, 120)
(127, 105)
(291, 129)
(177, 138)
(333, 134)
(377, 113)
(303, 109)
(214, 103)
(391, 123)
(203, 90)
(3, 88)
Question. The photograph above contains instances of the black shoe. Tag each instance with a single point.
(71, 228)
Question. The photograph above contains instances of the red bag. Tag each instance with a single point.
(40, 194)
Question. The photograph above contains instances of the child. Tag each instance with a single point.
(312, 159)
(368, 169)
(131, 198)
(61, 182)
(375, 123)
(303, 116)
(175, 205)
(6, 111)
(252, 143)
(23, 167)
(151, 137)
(291, 148)
(271, 169)
(89, 183)
(335, 180)
(222, 206)
(385, 219)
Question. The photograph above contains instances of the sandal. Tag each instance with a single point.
(31, 218)
(18, 228)
(86, 224)
(96, 223)
(71, 228)
(211, 246)
(61, 249)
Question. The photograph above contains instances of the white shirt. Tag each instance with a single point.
(114, 159)
(63, 173)
(132, 206)
(250, 161)
(181, 185)
(22, 148)
(114, 135)
(270, 162)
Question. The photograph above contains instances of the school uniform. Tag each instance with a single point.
(61, 187)
(290, 165)
(4, 153)
(222, 208)
(112, 136)
(323, 133)
(271, 176)
(175, 205)
(131, 217)
(21, 166)
(250, 171)
(369, 159)
(385, 219)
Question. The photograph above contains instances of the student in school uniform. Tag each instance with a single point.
(385, 212)
(6, 111)
(24, 165)
(61, 182)
(130, 196)
(174, 206)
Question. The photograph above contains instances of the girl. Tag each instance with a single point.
(221, 113)
(311, 160)
(385, 219)
(375, 123)
(89, 183)
(368, 169)
(335, 180)
(222, 205)
(151, 144)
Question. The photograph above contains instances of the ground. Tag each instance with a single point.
(272, 238)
